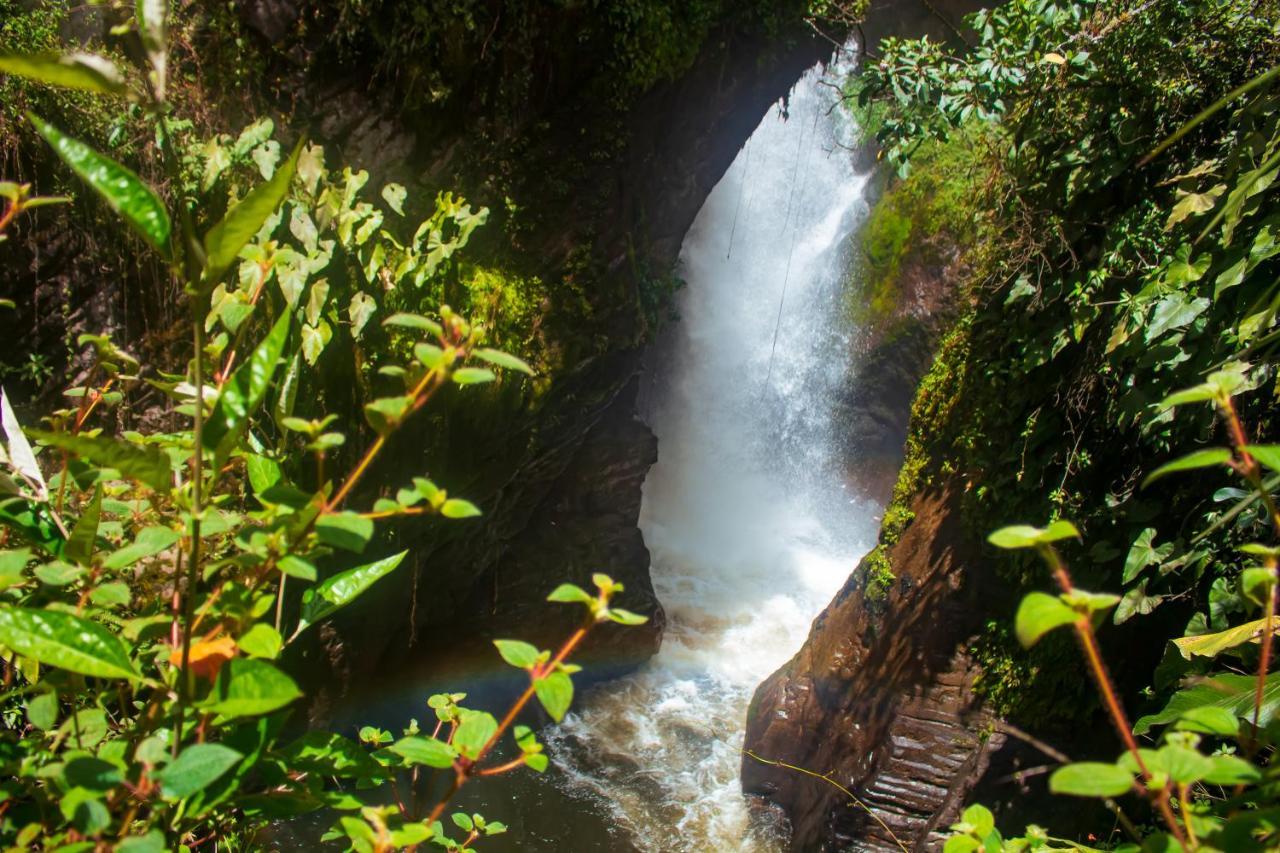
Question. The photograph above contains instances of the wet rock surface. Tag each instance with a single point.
(880, 700)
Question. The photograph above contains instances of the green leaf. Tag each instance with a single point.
(147, 465)
(386, 413)
(425, 750)
(463, 822)
(246, 389)
(1038, 614)
(152, 842)
(296, 567)
(1200, 459)
(72, 71)
(1184, 766)
(1212, 645)
(1143, 553)
(458, 508)
(65, 641)
(1234, 693)
(625, 617)
(1026, 536)
(58, 573)
(1091, 779)
(342, 589)
(473, 375)
(979, 819)
(347, 530)
(570, 593)
(123, 190)
(83, 535)
(42, 710)
(248, 687)
(519, 654)
(555, 692)
(1267, 454)
(261, 641)
(150, 540)
(394, 195)
(196, 768)
(114, 594)
(474, 732)
(1230, 770)
(1210, 720)
(1081, 600)
(225, 240)
(502, 359)
(414, 321)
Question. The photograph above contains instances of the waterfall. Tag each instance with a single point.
(747, 516)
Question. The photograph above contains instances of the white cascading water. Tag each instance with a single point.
(746, 513)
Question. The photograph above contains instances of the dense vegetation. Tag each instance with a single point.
(1119, 313)
(155, 582)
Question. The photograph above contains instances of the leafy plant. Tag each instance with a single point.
(154, 582)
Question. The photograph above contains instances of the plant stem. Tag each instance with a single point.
(463, 772)
(1089, 643)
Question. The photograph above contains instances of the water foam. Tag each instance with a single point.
(749, 524)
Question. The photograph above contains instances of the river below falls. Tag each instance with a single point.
(749, 521)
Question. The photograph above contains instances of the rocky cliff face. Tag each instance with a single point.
(880, 701)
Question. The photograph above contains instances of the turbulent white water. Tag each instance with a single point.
(750, 525)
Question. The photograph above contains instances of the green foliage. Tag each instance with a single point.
(1128, 292)
(149, 619)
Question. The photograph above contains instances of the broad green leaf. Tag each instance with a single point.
(113, 594)
(246, 389)
(42, 710)
(1026, 536)
(1267, 454)
(1136, 602)
(196, 768)
(225, 240)
(625, 617)
(123, 190)
(296, 567)
(519, 654)
(1144, 553)
(1038, 614)
(58, 573)
(463, 822)
(152, 842)
(1209, 719)
(330, 754)
(347, 530)
(1183, 765)
(1079, 599)
(458, 508)
(473, 375)
(425, 750)
(1207, 458)
(474, 732)
(1211, 645)
(248, 687)
(569, 593)
(386, 413)
(147, 465)
(394, 195)
(261, 641)
(73, 71)
(1230, 770)
(414, 321)
(979, 820)
(1091, 779)
(362, 307)
(150, 540)
(65, 641)
(80, 545)
(555, 692)
(502, 359)
(342, 589)
(1235, 693)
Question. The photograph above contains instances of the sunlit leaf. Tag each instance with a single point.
(124, 191)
